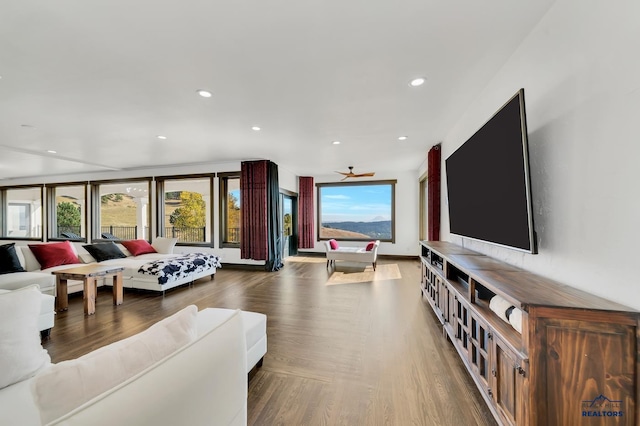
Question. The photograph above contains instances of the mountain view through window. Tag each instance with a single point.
(356, 211)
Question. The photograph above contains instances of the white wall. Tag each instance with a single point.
(407, 212)
(580, 69)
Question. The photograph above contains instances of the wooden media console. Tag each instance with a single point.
(576, 360)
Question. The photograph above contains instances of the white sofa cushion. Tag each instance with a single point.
(17, 280)
(62, 387)
(164, 245)
(21, 354)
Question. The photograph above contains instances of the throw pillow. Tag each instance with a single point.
(86, 258)
(104, 251)
(164, 245)
(21, 354)
(370, 246)
(333, 244)
(54, 254)
(138, 247)
(67, 385)
(9, 261)
(124, 250)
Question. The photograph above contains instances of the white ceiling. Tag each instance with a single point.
(98, 81)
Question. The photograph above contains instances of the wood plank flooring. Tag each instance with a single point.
(363, 349)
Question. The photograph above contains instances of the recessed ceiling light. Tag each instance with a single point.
(336, 142)
(417, 82)
(402, 138)
(256, 128)
(161, 137)
(50, 151)
(204, 93)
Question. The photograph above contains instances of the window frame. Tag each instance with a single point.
(390, 182)
(4, 212)
(96, 233)
(52, 210)
(223, 184)
(160, 210)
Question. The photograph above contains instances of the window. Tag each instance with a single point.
(357, 211)
(185, 209)
(22, 213)
(230, 209)
(67, 212)
(123, 210)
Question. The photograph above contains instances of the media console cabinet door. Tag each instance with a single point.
(510, 391)
(586, 373)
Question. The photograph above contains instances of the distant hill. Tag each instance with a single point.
(340, 233)
(120, 212)
(378, 230)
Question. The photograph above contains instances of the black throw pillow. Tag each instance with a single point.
(104, 251)
(9, 261)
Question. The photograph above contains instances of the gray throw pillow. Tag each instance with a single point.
(104, 251)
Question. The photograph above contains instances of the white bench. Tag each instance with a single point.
(352, 254)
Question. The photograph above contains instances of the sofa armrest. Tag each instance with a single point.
(202, 383)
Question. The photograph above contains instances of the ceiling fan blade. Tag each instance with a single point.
(354, 175)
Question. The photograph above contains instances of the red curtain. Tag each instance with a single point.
(253, 195)
(433, 193)
(306, 239)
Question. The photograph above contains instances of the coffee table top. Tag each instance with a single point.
(89, 270)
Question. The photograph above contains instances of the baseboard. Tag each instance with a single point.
(243, 266)
(380, 256)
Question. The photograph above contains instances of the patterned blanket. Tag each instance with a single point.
(180, 267)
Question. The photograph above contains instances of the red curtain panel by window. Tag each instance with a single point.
(433, 193)
(305, 212)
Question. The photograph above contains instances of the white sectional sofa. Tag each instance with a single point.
(35, 274)
(190, 368)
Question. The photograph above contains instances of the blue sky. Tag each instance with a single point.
(236, 193)
(357, 203)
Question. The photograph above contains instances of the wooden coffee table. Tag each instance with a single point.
(88, 275)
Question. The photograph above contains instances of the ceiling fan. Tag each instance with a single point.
(355, 175)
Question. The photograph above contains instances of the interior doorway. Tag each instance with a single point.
(289, 224)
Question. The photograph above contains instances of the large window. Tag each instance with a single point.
(357, 211)
(123, 210)
(21, 212)
(185, 209)
(230, 209)
(67, 212)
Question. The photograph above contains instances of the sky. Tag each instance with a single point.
(357, 203)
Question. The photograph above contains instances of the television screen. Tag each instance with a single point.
(488, 183)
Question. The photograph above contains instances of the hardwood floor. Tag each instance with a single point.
(350, 347)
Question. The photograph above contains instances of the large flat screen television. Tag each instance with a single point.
(488, 183)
